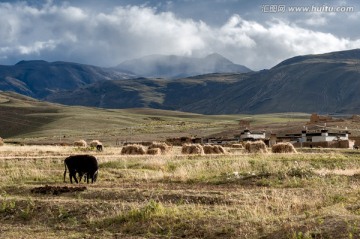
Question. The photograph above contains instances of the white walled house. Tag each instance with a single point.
(323, 136)
(248, 135)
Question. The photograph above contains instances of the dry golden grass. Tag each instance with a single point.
(153, 151)
(237, 146)
(164, 148)
(283, 148)
(192, 149)
(214, 149)
(80, 143)
(95, 143)
(256, 147)
(133, 149)
(181, 196)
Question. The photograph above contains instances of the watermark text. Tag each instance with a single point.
(277, 8)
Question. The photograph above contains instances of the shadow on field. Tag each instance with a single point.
(57, 190)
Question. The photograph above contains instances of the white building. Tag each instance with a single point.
(248, 135)
(323, 136)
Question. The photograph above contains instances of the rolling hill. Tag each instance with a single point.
(146, 92)
(327, 83)
(24, 117)
(40, 78)
(27, 120)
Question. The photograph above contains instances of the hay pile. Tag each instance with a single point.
(256, 147)
(133, 149)
(214, 149)
(80, 143)
(95, 143)
(143, 143)
(237, 146)
(1, 142)
(153, 151)
(192, 149)
(283, 148)
(164, 148)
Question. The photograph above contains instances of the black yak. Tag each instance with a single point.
(83, 165)
(99, 147)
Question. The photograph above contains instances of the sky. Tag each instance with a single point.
(258, 34)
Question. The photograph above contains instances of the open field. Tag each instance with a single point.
(29, 121)
(312, 194)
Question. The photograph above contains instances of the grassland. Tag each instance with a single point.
(29, 121)
(312, 194)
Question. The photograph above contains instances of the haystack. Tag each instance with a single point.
(95, 143)
(283, 148)
(192, 149)
(164, 148)
(214, 149)
(133, 149)
(1, 142)
(80, 143)
(256, 147)
(237, 146)
(153, 151)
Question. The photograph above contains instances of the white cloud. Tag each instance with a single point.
(234, 32)
(37, 47)
(316, 19)
(267, 44)
(65, 32)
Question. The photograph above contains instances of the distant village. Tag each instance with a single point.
(315, 134)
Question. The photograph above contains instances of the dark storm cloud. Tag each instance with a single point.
(107, 32)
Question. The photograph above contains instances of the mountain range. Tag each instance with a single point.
(324, 83)
(161, 66)
(40, 78)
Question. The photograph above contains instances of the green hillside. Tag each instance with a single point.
(24, 119)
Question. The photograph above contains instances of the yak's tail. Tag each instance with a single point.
(95, 176)
(65, 172)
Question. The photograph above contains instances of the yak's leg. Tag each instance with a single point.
(81, 174)
(73, 175)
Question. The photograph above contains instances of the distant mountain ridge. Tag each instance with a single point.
(163, 66)
(324, 83)
(146, 92)
(331, 56)
(40, 78)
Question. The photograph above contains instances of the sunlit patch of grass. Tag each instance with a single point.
(172, 196)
